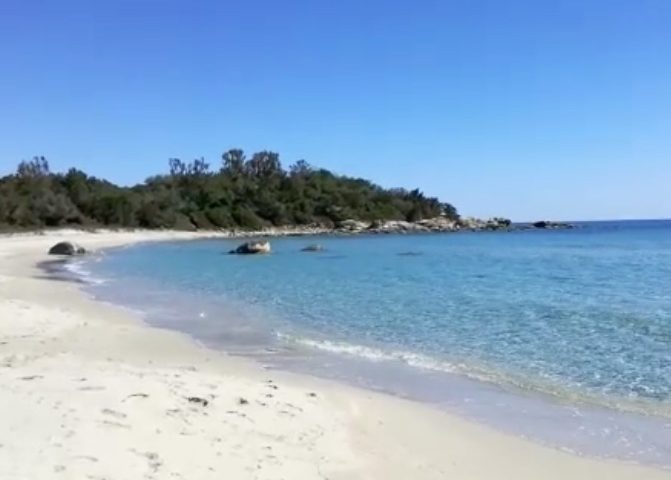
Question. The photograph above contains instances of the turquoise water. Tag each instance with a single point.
(568, 318)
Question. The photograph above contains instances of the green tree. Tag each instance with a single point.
(246, 193)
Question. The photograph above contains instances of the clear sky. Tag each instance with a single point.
(527, 109)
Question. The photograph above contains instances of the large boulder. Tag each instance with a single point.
(67, 248)
(249, 248)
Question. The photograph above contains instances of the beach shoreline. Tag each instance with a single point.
(89, 390)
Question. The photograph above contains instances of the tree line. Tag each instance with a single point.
(244, 192)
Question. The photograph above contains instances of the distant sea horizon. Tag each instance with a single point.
(598, 220)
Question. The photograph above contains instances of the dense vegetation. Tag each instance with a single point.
(248, 193)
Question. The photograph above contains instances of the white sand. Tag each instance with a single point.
(88, 392)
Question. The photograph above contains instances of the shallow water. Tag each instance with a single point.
(554, 335)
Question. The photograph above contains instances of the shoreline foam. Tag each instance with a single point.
(73, 371)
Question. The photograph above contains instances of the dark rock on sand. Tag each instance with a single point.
(67, 248)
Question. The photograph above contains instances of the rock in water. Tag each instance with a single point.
(554, 225)
(67, 248)
(313, 248)
(252, 247)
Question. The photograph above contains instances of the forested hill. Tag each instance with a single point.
(248, 193)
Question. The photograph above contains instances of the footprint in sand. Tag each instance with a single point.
(113, 413)
(136, 395)
(154, 461)
(92, 388)
(87, 458)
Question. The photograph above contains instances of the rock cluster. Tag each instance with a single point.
(477, 224)
(397, 226)
(551, 225)
(429, 225)
(352, 226)
(437, 224)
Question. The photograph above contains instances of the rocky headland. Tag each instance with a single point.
(430, 225)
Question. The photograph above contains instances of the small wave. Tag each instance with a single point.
(375, 354)
(78, 270)
(545, 386)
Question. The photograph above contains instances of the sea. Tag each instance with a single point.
(562, 337)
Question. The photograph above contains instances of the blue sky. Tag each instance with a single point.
(527, 109)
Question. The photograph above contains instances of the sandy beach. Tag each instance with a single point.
(89, 392)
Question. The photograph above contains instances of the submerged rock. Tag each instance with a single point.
(252, 248)
(67, 248)
(315, 247)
